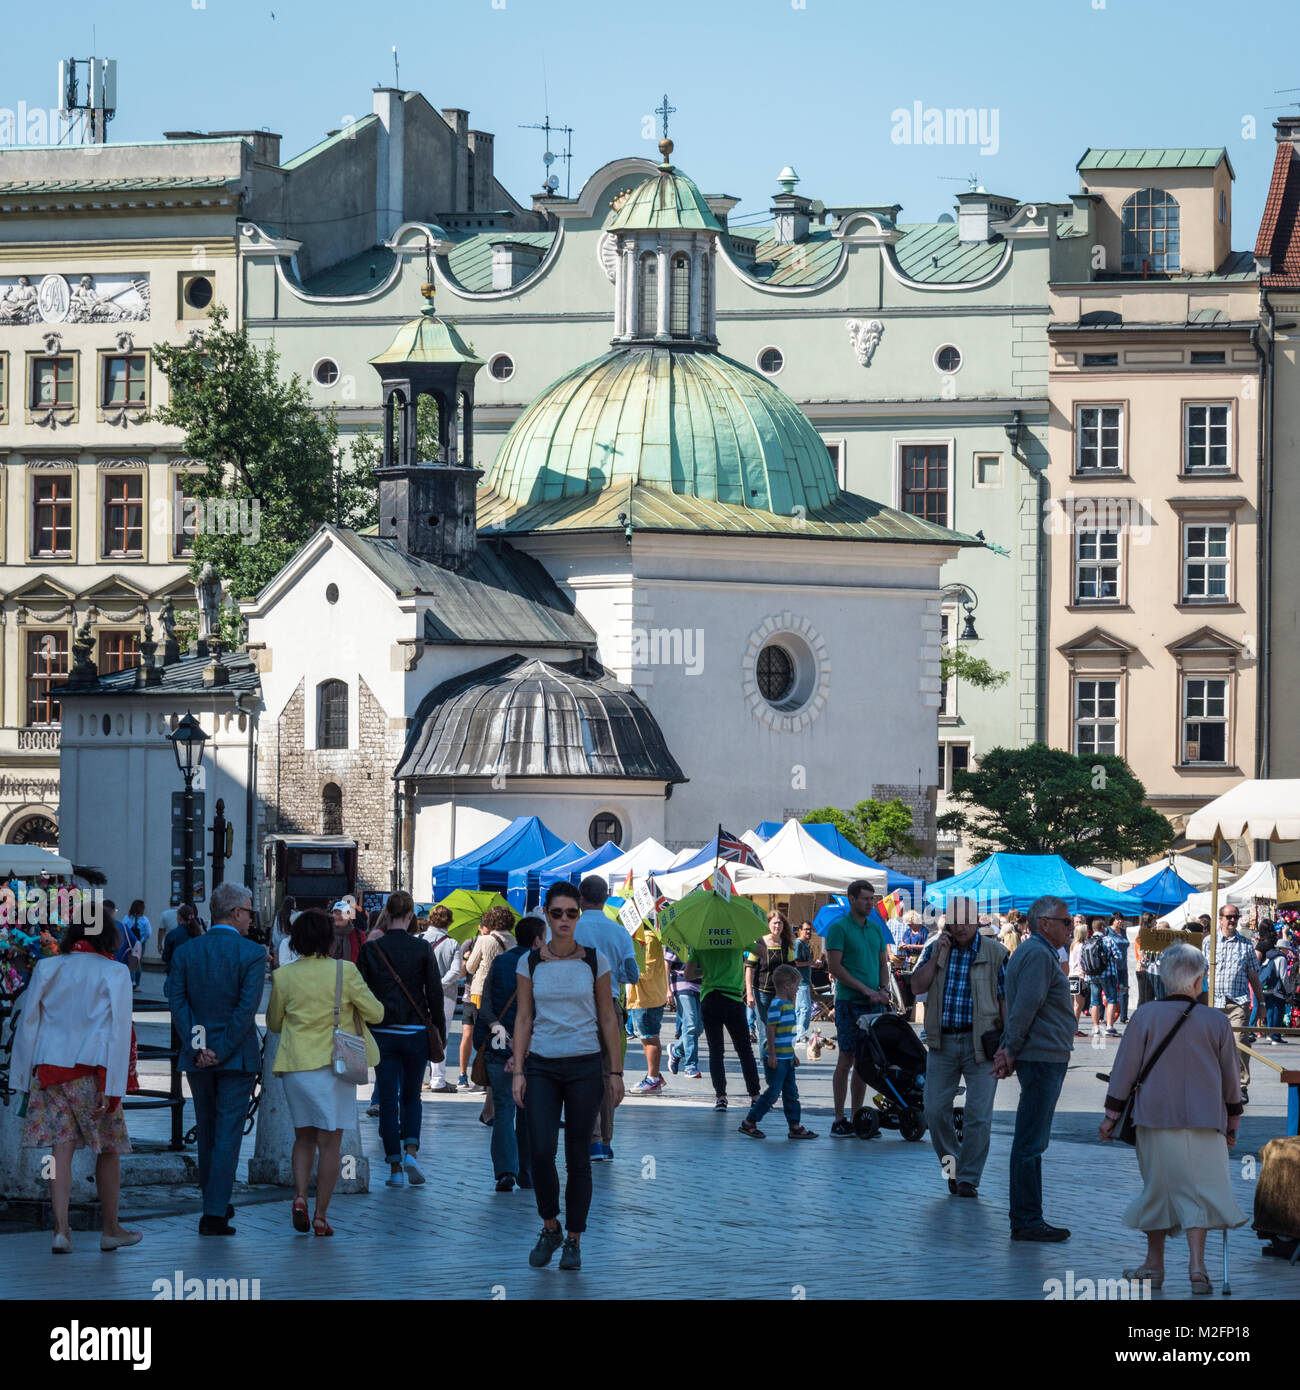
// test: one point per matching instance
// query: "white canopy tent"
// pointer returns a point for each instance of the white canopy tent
(755, 883)
(1089, 872)
(793, 853)
(677, 883)
(1259, 881)
(640, 860)
(26, 861)
(1191, 871)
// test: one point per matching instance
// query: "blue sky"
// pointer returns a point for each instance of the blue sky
(757, 84)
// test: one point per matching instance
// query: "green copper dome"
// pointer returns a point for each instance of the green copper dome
(666, 201)
(693, 423)
(428, 338)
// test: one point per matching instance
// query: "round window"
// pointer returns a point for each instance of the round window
(331, 593)
(605, 829)
(947, 359)
(198, 292)
(770, 361)
(502, 367)
(325, 372)
(775, 673)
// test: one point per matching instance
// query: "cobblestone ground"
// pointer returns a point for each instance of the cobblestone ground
(688, 1208)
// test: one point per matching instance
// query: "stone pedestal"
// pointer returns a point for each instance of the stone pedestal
(24, 1173)
(273, 1138)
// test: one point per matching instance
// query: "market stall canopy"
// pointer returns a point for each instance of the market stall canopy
(793, 853)
(755, 883)
(523, 887)
(829, 835)
(649, 857)
(1097, 875)
(1192, 871)
(1166, 890)
(676, 883)
(524, 841)
(26, 861)
(1004, 881)
(1259, 881)
(576, 870)
(1267, 809)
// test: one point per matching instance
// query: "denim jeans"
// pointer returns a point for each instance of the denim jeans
(780, 1082)
(803, 1009)
(398, 1078)
(220, 1111)
(1276, 1012)
(509, 1132)
(1040, 1088)
(687, 1046)
(574, 1085)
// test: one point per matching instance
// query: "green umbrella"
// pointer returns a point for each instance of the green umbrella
(704, 921)
(467, 906)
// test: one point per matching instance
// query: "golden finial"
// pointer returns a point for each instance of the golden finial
(427, 290)
(665, 149)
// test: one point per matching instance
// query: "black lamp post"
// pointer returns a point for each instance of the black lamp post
(187, 740)
(969, 601)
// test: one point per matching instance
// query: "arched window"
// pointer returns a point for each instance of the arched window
(332, 714)
(679, 310)
(705, 271)
(331, 809)
(648, 306)
(1150, 231)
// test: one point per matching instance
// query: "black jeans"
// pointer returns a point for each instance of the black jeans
(722, 1011)
(574, 1085)
(398, 1078)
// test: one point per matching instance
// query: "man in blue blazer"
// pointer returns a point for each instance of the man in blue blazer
(214, 989)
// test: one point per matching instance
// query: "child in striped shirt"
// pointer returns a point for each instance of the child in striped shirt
(780, 1061)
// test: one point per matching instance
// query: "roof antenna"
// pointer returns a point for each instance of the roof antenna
(396, 82)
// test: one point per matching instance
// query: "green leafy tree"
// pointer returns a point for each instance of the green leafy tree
(878, 828)
(1040, 800)
(974, 670)
(265, 447)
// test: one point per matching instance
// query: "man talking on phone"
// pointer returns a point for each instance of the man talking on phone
(963, 976)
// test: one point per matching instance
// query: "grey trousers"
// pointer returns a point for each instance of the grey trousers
(960, 1059)
(1239, 1016)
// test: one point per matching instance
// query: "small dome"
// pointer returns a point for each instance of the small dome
(693, 423)
(666, 201)
(427, 338)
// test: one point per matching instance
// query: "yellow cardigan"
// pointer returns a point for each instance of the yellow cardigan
(302, 1012)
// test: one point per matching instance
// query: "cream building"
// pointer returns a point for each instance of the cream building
(1155, 388)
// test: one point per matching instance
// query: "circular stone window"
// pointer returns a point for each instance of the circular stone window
(785, 673)
(502, 366)
(770, 361)
(198, 292)
(605, 829)
(325, 372)
(331, 593)
(947, 359)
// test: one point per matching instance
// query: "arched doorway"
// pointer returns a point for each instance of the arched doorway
(37, 828)
(331, 809)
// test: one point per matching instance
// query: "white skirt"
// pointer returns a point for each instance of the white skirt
(1186, 1182)
(320, 1099)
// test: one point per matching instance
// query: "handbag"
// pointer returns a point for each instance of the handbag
(348, 1054)
(437, 1051)
(1125, 1129)
(478, 1072)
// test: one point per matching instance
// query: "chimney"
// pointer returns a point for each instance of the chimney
(977, 210)
(483, 176)
(1288, 130)
(390, 162)
(790, 212)
(512, 261)
(458, 119)
(429, 510)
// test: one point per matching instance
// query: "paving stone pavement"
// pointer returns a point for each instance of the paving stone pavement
(688, 1208)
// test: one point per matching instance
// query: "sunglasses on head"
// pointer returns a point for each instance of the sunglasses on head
(570, 912)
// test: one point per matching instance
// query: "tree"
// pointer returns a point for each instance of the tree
(272, 459)
(974, 670)
(368, 449)
(1040, 800)
(878, 828)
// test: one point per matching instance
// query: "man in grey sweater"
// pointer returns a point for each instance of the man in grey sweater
(1037, 1043)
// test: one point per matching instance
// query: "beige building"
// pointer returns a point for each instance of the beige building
(1155, 387)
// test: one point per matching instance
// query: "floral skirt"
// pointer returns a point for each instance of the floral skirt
(62, 1115)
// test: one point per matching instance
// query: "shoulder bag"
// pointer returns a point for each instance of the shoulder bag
(437, 1052)
(478, 1072)
(348, 1055)
(1125, 1129)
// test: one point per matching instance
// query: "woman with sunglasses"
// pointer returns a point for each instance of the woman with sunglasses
(563, 1010)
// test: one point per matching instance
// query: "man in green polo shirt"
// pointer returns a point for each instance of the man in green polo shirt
(855, 954)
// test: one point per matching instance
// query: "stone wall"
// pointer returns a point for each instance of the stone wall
(921, 802)
(293, 777)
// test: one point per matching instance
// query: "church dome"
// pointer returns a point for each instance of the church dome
(693, 423)
(666, 201)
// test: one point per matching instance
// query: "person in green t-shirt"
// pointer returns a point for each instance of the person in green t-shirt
(855, 953)
(721, 974)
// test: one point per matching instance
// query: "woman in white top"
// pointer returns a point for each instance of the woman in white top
(1078, 980)
(564, 1013)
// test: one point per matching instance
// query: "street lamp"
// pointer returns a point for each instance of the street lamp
(187, 740)
(969, 601)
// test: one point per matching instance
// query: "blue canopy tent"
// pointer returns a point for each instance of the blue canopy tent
(576, 869)
(829, 836)
(1164, 892)
(523, 887)
(1004, 881)
(524, 841)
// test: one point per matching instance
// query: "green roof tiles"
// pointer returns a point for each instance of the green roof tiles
(428, 339)
(667, 201)
(695, 424)
(805, 262)
(930, 253)
(353, 275)
(470, 260)
(1153, 159)
(114, 185)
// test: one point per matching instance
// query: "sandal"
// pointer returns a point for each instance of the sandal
(1200, 1281)
(321, 1227)
(801, 1132)
(752, 1131)
(300, 1222)
(1156, 1277)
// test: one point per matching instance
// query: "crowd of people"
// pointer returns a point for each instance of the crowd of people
(552, 1003)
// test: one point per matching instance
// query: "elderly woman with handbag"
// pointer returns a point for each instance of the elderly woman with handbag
(320, 1008)
(1175, 1092)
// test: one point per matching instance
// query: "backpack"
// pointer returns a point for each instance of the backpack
(1281, 974)
(588, 952)
(1095, 956)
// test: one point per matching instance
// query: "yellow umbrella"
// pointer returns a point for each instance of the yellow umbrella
(467, 906)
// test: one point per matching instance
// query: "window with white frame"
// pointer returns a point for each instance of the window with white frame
(1205, 719)
(836, 450)
(947, 639)
(1207, 437)
(1096, 717)
(1205, 562)
(1097, 566)
(953, 758)
(1098, 438)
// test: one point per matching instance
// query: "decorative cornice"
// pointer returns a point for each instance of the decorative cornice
(59, 463)
(133, 461)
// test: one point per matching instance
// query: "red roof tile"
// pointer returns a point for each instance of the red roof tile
(1279, 229)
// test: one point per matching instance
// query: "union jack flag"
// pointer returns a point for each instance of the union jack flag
(734, 851)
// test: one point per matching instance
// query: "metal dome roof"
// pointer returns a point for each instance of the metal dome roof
(666, 201)
(693, 423)
(521, 717)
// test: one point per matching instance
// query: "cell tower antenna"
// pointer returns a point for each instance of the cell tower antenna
(85, 117)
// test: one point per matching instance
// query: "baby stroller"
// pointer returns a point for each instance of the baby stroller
(891, 1061)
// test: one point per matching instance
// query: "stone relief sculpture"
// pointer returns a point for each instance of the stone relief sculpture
(864, 335)
(116, 299)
